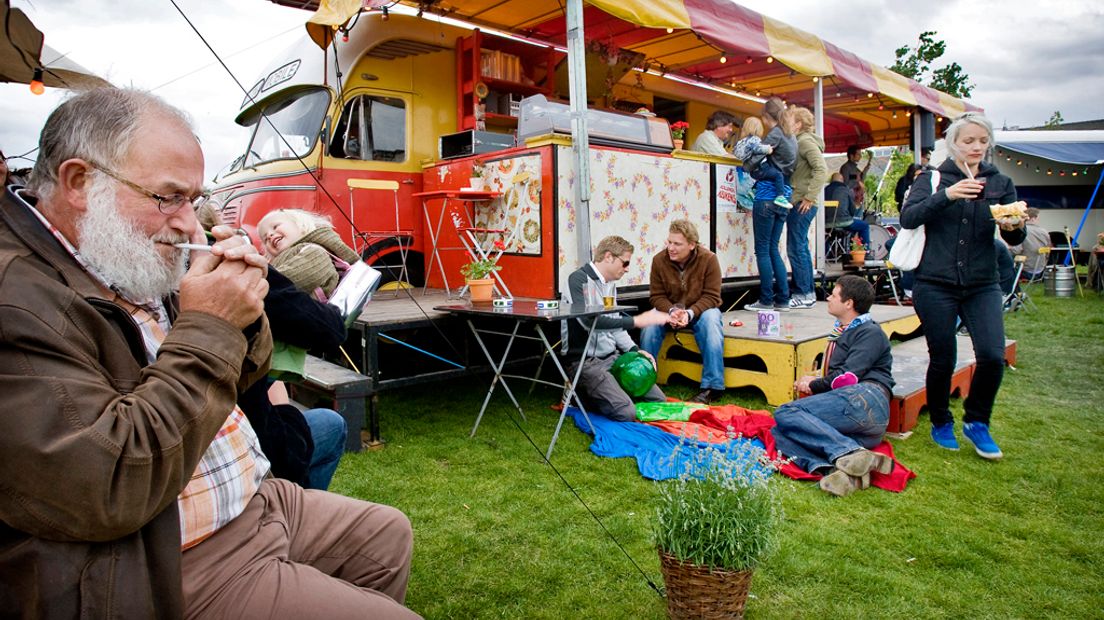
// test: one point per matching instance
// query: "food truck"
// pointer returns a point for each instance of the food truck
(381, 128)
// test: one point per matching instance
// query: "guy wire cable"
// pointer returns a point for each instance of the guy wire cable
(544, 458)
(308, 170)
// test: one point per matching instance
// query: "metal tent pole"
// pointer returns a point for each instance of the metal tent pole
(818, 226)
(576, 71)
(1085, 215)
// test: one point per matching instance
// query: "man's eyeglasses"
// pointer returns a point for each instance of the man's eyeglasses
(165, 204)
(625, 263)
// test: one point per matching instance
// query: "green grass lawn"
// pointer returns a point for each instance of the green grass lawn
(499, 535)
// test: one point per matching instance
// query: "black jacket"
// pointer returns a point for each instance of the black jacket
(845, 212)
(863, 351)
(959, 249)
(299, 320)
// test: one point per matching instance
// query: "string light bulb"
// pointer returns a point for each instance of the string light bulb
(37, 87)
(815, 79)
(770, 59)
(670, 30)
(724, 59)
(386, 15)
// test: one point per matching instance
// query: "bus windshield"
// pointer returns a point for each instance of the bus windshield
(296, 124)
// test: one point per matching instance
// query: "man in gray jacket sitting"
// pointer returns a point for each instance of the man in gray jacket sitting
(598, 390)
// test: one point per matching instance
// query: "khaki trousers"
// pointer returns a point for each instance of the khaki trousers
(296, 553)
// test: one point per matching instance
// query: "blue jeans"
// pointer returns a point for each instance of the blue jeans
(939, 307)
(767, 219)
(817, 430)
(709, 335)
(858, 225)
(328, 431)
(797, 248)
(767, 171)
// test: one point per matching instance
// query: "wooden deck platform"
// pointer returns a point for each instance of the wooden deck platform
(910, 368)
(772, 363)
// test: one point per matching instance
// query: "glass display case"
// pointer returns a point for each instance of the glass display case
(540, 116)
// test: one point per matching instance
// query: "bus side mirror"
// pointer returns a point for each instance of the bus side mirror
(325, 136)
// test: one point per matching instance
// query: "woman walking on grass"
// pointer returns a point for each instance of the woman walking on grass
(809, 177)
(957, 277)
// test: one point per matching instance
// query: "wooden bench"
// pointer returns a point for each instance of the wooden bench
(772, 364)
(910, 368)
(338, 388)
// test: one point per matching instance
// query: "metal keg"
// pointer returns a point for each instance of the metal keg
(1058, 281)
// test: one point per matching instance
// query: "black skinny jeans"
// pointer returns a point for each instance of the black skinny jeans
(980, 309)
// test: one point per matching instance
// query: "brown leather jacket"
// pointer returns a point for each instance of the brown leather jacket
(96, 444)
(697, 286)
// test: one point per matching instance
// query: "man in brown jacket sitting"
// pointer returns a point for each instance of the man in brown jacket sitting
(133, 487)
(686, 282)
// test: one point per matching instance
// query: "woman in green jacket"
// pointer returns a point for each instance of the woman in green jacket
(809, 177)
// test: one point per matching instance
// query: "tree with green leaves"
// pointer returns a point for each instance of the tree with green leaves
(915, 62)
(1055, 119)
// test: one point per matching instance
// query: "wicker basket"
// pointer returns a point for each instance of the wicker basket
(700, 592)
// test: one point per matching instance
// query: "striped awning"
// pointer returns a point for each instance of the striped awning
(729, 46)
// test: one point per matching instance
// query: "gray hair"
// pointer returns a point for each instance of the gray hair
(975, 118)
(98, 125)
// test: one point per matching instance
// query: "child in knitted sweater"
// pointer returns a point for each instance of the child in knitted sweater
(302, 246)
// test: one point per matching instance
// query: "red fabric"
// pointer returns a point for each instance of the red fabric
(713, 423)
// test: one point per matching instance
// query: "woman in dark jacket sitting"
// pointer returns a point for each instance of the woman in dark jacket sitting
(957, 276)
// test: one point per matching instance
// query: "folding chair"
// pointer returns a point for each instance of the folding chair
(369, 238)
(1038, 277)
(1018, 298)
(837, 244)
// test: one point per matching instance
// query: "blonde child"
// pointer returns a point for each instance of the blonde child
(755, 154)
(302, 245)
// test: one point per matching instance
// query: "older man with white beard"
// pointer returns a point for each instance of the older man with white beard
(132, 484)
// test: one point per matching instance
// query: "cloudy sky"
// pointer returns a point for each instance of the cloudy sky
(1026, 58)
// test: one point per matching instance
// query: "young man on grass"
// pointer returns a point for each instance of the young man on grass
(832, 430)
(598, 389)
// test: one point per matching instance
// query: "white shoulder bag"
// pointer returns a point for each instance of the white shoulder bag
(908, 249)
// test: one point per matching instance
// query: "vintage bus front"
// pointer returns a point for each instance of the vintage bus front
(345, 135)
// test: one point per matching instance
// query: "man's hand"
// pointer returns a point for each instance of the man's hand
(650, 358)
(229, 282)
(801, 386)
(651, 317)
(679, 318)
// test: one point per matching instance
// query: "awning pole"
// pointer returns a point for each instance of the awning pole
(1085, 215)
(580, 144)
(818, 120)
(916, 137)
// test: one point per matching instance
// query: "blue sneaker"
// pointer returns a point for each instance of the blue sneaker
(978, 434)
(943, 435)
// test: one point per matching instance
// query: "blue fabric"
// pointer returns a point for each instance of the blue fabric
(797, 248)
(655, 450)
(767, 191)
(767, 219)
(1063, 152)
(328, 430)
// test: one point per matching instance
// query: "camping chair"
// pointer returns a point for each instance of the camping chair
(370, 238)
(1017, 298)
(1038, 277)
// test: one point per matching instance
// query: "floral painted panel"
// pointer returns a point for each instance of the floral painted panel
(517, 211)
(635, 196)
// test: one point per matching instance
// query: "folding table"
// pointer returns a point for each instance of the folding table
(526, 311)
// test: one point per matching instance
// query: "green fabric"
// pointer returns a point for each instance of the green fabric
(288, 362)
(661, 412)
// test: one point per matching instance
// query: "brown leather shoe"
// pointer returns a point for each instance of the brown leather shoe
(840, 484)
(864, 461)
(707, 396)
